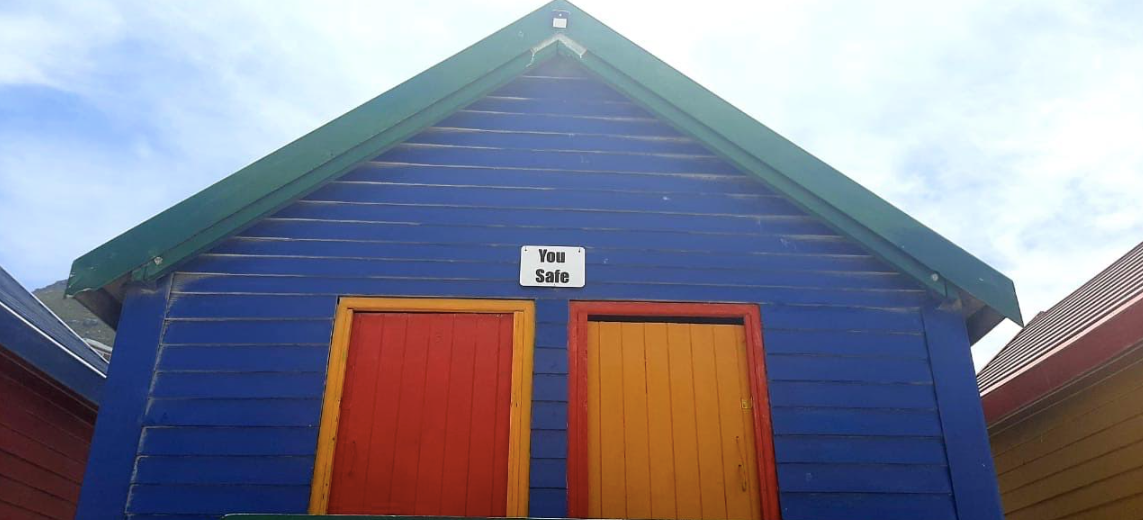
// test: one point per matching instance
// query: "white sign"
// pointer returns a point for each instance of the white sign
(552, 266)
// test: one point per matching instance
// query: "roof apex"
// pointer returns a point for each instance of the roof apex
(159, 244)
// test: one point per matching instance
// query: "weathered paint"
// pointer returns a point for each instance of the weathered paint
(1079, 455)
(45, 431)
(670, 432)
(116, 442)
(159, 245)
(856, 426)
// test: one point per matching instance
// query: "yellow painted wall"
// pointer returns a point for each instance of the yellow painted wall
(1078, 458)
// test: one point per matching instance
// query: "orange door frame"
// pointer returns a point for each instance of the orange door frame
(577, 380)
(520, 416)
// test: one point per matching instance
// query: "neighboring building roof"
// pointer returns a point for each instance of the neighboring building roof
(159, 245)
(32, 332)
(1088, 328)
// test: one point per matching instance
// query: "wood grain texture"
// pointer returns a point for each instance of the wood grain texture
(45, 432)
(262, 303)
(392, 434)
(671, 433)
(1082, 456)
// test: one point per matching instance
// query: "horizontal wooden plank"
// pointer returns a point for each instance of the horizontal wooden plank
(840, 450)
(566, 160)
(29, 424)
(246, 358)
(548, 473)
(38, 476)
(233, 412)
(547, 503)
(504, 271)
(551, 360)
(864, 478)
(557, 123)
(451, 215)
(252, 306)
(1118, 487)
(843, 343)
(210, 283)
(793, 367)
(13, 512)
(560, 141)
(218, 500)
(530, 198)
(239, 384)
(493, 177)
(1040, 464)
(570, 107)
(852, 421)
(46, 404)
(322, 248)
(543, 87)
(228, 441)
(550, 387)
(248, 470)
(550, 335)
(1090, 472)
(29, 498)
(882, 506)
(552, 311)
(548, 415)
(1092, 409)
(834, 318)
(549, 444)
(33, 449)
(264, 332)
(852, 395)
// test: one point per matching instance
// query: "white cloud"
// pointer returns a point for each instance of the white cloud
(1011, 128)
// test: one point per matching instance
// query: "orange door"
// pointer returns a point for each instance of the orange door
(670, 428)
(424, 419)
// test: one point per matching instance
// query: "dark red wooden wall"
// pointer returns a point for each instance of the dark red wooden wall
(44, 436)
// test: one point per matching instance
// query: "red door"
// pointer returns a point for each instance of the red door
(424, 416)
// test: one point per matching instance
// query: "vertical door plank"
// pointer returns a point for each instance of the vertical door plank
(356, 419)
(410, 412)
(748, 421)
(454, 481)
(613, 463)
(711, 472)
(736, 437)
(430, 463)
(635, 428)
(661, 437)
(479, 500)
(379, 477)
(688, 501)
(594, 427)
(502, 417)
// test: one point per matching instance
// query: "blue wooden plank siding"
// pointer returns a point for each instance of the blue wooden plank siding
(554, 157)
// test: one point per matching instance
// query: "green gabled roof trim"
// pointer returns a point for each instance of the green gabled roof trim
(158, 245)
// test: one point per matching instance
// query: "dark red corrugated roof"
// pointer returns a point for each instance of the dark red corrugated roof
(1099, 297)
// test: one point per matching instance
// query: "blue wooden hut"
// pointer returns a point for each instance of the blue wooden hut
(550, 276)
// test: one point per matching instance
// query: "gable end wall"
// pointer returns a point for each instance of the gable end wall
(555, 157)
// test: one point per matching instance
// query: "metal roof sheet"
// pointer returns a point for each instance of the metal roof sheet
(35, 334)
(1101, 296)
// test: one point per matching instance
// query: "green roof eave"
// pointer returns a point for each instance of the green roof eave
(161, 243)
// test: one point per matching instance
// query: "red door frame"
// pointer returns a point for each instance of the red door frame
(577, 376)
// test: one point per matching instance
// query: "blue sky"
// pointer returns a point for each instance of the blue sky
(1013, 128)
